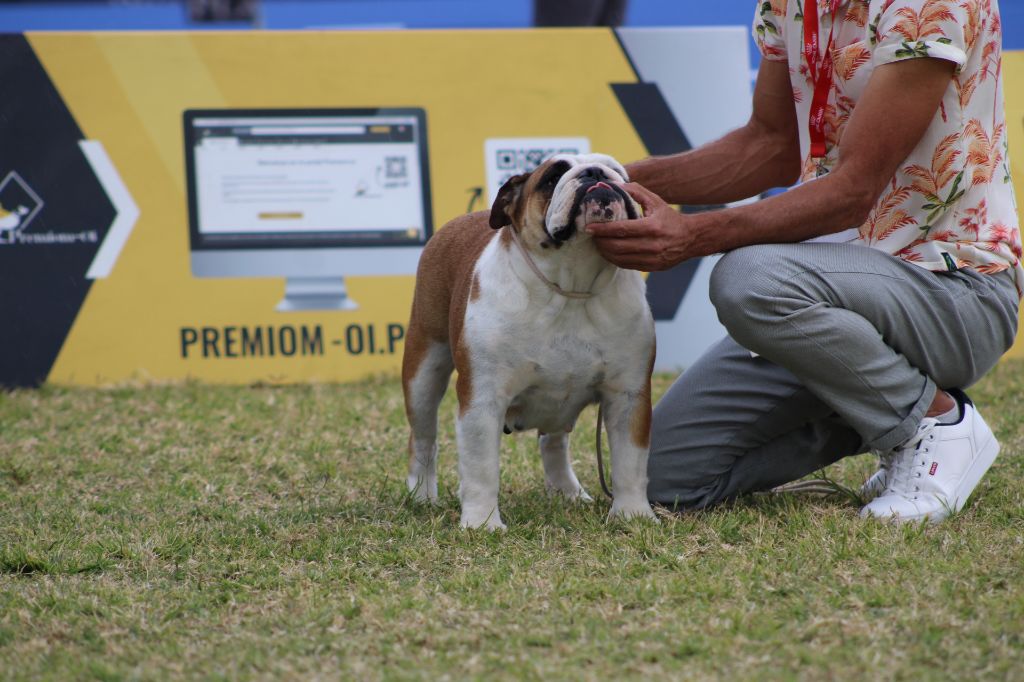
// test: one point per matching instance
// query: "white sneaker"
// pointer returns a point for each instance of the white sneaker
(932, 475)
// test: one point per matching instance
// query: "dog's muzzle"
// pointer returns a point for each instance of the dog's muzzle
(600, 200)
(596, 199)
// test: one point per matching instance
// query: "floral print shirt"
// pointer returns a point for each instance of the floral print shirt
(951, 204)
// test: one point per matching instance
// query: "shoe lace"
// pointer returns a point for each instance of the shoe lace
(906, 461)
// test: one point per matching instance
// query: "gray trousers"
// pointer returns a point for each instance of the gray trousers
(852, 344)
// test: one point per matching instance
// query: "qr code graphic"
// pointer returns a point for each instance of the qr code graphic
(534, 157)
(395, 168)
(525, 160)
(506, 157)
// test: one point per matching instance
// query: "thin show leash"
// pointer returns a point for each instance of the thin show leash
(578, 295)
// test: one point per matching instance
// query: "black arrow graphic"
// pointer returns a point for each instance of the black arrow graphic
(662, 134)
(477, 193)
(45, 284)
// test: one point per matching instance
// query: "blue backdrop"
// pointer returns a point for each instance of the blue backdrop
(125, 15)
(38, 15)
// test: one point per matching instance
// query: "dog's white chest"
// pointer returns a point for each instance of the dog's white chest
(562, 374)
(548, 362)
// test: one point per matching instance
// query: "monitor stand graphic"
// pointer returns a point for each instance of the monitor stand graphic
(315, 293)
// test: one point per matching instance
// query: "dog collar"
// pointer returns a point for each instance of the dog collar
(540, 275)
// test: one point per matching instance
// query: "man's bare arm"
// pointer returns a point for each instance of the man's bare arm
(764, 153)
(898, 105)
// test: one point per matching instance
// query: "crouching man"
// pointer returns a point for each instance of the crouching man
(860, 303)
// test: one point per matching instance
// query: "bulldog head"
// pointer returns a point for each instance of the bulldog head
(562, 195)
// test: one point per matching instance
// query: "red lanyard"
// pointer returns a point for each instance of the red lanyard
(820, 72)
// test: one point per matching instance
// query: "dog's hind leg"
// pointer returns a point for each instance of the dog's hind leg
(558, 474)
(426, 369)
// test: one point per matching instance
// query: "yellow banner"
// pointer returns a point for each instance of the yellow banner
(138, 301)
(152, 319)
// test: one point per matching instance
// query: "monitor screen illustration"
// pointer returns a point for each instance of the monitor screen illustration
(309, 195)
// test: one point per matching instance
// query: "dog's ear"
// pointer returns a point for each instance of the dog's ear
(505, 205)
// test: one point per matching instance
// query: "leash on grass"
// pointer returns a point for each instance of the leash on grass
(823, 485)
(814, 486)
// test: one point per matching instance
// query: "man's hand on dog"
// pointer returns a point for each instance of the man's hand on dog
(658, 241)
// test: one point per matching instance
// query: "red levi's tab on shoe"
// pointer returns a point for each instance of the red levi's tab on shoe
(935, 466)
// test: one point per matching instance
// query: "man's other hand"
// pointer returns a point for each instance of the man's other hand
(658, 241)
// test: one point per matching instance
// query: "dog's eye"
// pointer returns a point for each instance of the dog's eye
(554, 174)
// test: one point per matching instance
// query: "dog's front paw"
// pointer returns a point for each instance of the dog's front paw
(631, 510)
(490, 520)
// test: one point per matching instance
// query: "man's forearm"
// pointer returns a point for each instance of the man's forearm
(832, 204)
(664, 237)
(741, 164)
(872, 148)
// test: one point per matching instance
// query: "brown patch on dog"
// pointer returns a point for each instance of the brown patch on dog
(505, 209)
(640, 424)
(464, 381)
(506, 237)
(522, 205)
(444, 280)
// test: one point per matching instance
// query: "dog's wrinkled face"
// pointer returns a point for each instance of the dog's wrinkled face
(562, 195)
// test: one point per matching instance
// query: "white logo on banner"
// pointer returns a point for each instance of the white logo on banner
(19, 205)
(508, 156)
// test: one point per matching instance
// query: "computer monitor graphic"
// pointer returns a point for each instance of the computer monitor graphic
(311, 195)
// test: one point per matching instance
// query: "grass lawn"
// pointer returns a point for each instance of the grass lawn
(222, 532)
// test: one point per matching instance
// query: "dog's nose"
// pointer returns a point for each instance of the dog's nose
(592, 173)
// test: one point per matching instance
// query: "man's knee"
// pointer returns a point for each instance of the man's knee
(745, 286)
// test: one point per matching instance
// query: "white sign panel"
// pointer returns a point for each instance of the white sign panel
(704, 75)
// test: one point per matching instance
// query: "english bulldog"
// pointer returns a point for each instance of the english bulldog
(539, 326)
